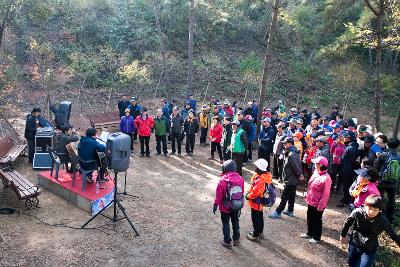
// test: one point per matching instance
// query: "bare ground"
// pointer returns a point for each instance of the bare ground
(175, 220)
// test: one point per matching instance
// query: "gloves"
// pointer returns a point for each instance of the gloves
(215, 208)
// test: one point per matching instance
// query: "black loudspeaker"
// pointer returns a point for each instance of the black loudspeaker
(42, 160)
(62, 113)
(118, 149)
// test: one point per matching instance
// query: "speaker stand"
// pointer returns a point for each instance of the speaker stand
(125, 193)
(116, 203)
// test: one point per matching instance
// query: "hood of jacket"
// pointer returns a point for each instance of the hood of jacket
(232, 177)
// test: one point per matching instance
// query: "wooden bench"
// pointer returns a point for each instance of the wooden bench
(9, 150)
(23, 188)
(107, 121)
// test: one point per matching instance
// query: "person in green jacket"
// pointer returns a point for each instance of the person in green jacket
(161, 128)
(238, 144)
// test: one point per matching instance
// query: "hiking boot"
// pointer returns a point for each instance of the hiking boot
(305, 236)
(260, 235)
(274, 215)
(158, 154)
(210, 158)
(236, 243)
(252, 237)
(288, 213)
(313, 241)
(221, 161)
(226, 245)
(179, 154)
(89, 179)
(148, 156)
(165, 155)
(172, 153)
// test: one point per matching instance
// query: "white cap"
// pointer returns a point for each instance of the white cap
(262, 164)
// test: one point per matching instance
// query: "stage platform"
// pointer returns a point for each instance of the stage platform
(87, 200)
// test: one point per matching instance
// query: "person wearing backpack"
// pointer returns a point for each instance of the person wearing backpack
(259, 183)
(388, 166)
(229, 199)
(368, 223)
(318, 193)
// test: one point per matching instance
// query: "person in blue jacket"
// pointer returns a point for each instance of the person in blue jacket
(192, 101)
(136, 110)
(87, 152)
(127, 126)
(267, 138)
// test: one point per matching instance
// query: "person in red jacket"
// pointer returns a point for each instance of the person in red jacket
(145, 124)
(229, 177)
(215, 138)
(258, 181)
(319, 190)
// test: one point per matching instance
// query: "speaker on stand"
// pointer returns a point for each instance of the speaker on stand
(118, 156)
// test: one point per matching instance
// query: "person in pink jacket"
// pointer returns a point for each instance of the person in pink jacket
(319, 189)
(229, 177)
(364, 186)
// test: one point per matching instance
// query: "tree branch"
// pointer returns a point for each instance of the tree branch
(368, 3)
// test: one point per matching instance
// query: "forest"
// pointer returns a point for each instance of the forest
(320, 52)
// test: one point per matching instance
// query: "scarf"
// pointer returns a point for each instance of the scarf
(357, 191)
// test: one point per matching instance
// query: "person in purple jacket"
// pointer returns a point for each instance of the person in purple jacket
(318, 193)
(127, 126)
(229, 176)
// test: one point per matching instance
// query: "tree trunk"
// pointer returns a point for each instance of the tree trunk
(164, 72)
(3, 25)
(397, 125)
(190, 48)
(378, 60)
(267, 61)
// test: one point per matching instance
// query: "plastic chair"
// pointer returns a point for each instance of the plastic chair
(86, 171)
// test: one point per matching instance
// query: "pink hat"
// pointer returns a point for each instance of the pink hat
(321, 160)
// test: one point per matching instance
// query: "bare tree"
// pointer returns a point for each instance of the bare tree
(164, 76)
(396, 125)
(190, 47)
(378, 13)
(267, 62)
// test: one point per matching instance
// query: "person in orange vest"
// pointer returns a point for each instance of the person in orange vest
(257, 189)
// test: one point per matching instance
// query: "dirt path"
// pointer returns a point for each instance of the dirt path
(174, 217)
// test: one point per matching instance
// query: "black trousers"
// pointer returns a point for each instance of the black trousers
(288, 196)
(347, 181)
(249, 151)
(238, 158)
(176, 139)
(226, 153)
(390, 201)
(216, 146)
(278, 167)
(226, 229)
(257, 217)
(336, 181)
(135, 135)
(190, 139)
(203, 135)
(144, 141)
(314, 222)
(161, 140)
(132, 140)
(264, 154)
(31, 149)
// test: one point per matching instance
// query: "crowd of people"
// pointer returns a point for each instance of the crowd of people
(327, 153)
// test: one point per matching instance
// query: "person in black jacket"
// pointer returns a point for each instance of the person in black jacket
(349, 164)
(123, 104)
(191, 127)
(226, 138)
(368, 223)
(267, 138)
(32, 123)
(176, 129)
(67, 136)
(246, 127)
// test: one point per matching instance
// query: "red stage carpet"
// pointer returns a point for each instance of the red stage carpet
(87, 200)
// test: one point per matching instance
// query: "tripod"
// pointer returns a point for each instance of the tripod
(116, 203)
(125, 193)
